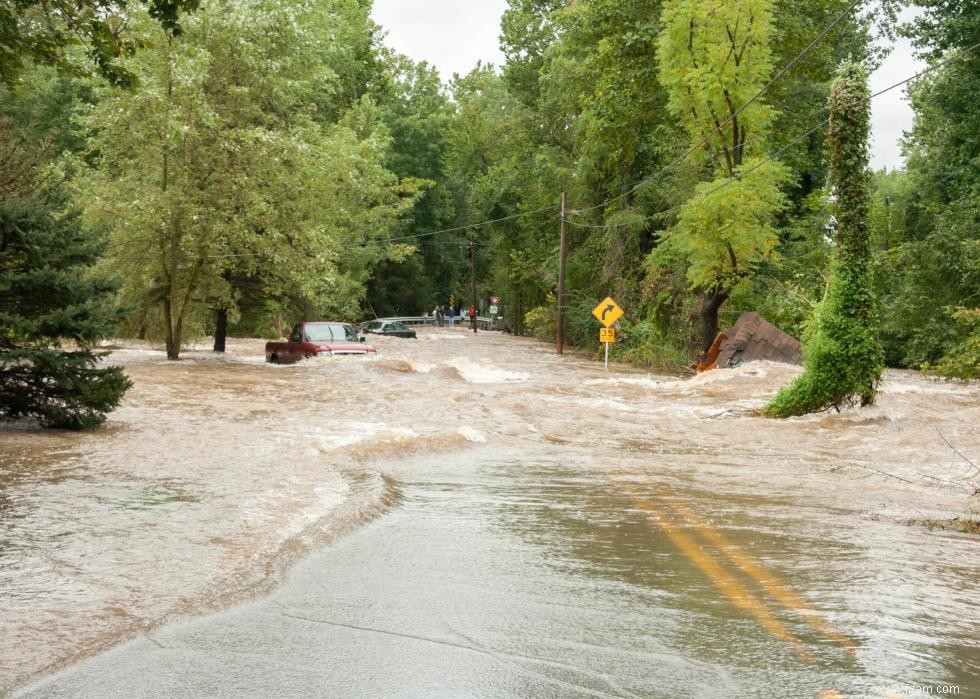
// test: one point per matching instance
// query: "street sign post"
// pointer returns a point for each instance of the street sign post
(607, 313)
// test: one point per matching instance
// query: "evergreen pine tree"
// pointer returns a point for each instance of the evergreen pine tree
(49, 295)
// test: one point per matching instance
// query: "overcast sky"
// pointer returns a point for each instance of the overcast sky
(453, 35)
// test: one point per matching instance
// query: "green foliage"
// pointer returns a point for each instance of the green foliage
(933, 262)
(726, 229)
(601, 71)
(49, 294)
(919, 280)
(527, 31)
(962, 358)
(646, 345)
(540, 321)
(417, 114)
(45, 32)
(60, 389)
(598, 94)
(714, 57)
(788, 286)
(842, 358)
(266, 152)
(222, 181)
(492, 176)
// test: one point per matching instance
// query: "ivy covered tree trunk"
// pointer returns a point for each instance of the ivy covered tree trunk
(47, 295)
(843, 359)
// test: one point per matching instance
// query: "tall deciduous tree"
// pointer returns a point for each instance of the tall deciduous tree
(843, 358)
(493, 176)
(714, 58)
(416, 111)
(223, 169)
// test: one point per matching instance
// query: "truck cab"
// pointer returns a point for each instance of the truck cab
(316, 339)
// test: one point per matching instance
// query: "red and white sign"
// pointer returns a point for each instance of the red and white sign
(494, 300)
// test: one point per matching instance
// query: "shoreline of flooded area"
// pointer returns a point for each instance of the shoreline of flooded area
(220, 473)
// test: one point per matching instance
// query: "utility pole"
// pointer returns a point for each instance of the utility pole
(473, 303)
(560, 335)
(888, 220)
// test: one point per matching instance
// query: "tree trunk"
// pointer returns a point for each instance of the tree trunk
(170, 308)
(172, 339)
(220, 329)
(170, 264)
(710, 305)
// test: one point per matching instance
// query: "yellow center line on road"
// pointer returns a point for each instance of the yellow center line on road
(721, 578)
(768, 580)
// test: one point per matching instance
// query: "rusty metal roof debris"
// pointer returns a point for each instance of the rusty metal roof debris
(753, 338)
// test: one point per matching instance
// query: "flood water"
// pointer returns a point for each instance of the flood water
(595, 533)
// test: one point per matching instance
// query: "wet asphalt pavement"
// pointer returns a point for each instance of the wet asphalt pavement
(493, 576)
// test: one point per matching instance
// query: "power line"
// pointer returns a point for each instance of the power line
(478, 224)
(470, 225)
(786, 147)
(782, 71)
(636, 186)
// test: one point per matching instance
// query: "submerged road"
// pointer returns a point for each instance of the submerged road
(611, 536)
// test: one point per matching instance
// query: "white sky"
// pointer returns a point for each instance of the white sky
(453, 35)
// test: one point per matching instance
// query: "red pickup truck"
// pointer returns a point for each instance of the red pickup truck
(316, 340)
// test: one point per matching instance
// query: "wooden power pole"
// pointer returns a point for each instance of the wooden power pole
(473, 304)
(562, 250)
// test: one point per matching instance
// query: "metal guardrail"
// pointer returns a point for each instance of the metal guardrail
(482, 322)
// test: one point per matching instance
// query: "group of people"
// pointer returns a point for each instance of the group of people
(442, 314)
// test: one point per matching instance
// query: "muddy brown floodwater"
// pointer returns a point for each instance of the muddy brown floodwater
(705, 551)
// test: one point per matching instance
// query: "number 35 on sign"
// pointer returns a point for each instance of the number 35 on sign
(607, 335)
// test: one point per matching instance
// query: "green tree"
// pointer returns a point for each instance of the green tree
(416, 112)
(931, 278)
(713, 60)
(597, 125)
(49, 295)
(496, 171)
(843, 358)
(40, 32)
(221, 176)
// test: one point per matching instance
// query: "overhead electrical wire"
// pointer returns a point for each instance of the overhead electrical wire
(636, 186)
(643, 181)
(470, 225)
(782, 150)
(782, 71)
